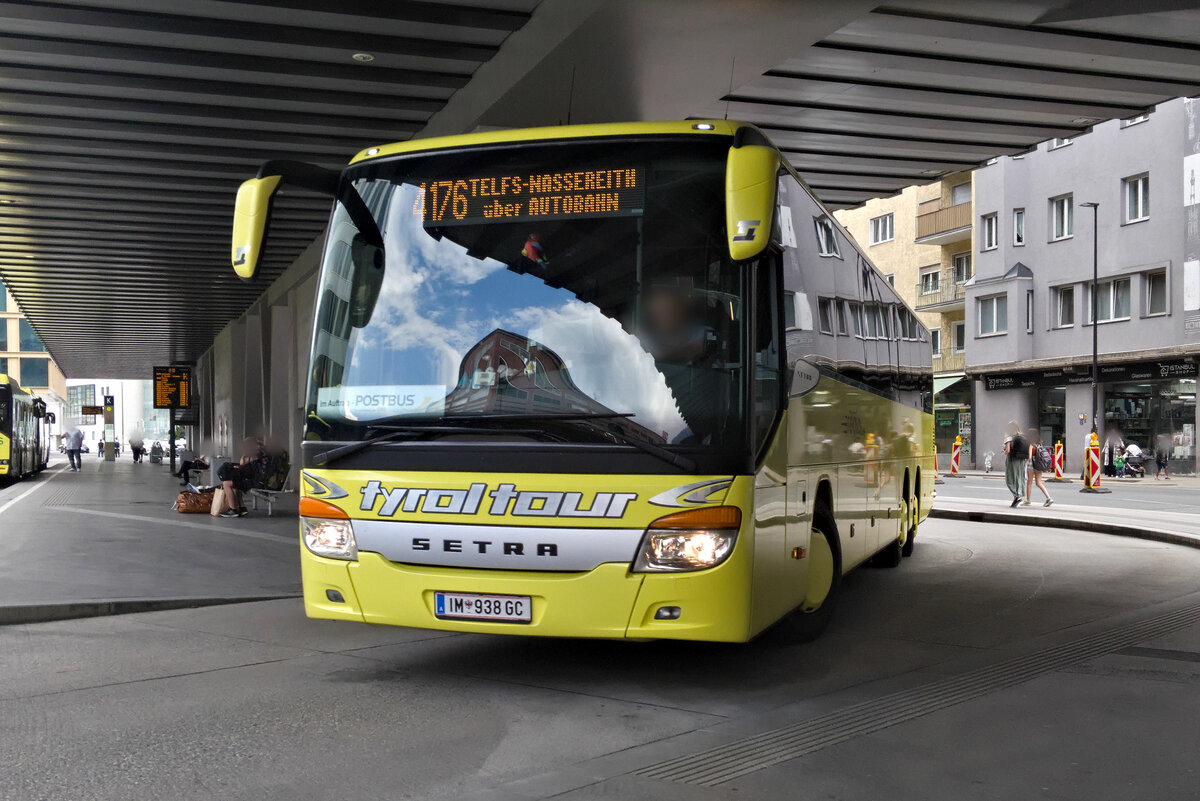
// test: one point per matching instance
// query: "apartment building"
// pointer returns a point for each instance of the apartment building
(24, 358)
(921, 240)
(1029, 318)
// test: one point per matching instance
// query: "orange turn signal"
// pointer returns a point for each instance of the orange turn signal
(709, 517)
(312, 507)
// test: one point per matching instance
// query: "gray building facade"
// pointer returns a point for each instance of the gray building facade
(1028, 307)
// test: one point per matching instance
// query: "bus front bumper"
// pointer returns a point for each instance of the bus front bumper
(606, 602)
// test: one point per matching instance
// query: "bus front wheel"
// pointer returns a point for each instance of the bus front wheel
(807, 621)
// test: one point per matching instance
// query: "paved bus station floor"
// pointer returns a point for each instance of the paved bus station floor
(1000, 661)
(108, 533)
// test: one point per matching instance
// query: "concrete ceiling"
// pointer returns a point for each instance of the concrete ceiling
(126, 125)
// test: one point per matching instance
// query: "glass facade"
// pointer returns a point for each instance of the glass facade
(1052, 416)
(35, 372)
(1156, 415)
(30, 341)
(952, 418)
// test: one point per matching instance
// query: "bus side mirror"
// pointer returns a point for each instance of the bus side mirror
(368, 261)
(250, 217)
(751, 176)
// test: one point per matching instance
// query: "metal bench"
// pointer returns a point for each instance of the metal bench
(270, 495)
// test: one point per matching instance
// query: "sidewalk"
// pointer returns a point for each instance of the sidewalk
(1188, 482)
(1173, 527)
(105, 539)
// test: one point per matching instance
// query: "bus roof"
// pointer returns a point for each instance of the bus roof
(696, 127)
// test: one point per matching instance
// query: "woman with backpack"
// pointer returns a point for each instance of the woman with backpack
(1040, 461)
(1016, 450)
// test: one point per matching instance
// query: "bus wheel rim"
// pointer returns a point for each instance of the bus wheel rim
(820, 571)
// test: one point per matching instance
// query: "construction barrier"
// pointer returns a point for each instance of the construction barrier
(955, 455)
(1091, 478)
(1059, 459)
(872, 453)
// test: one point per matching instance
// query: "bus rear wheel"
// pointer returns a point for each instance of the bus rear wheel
(809, 620)
(914, 515)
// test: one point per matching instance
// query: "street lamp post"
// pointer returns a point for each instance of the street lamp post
(1095, 207)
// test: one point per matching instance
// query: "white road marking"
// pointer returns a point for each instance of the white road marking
(37, 486)
(218, 529)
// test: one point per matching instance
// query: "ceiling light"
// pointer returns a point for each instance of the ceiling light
(704, 126)
(1085, 120)
(363, 57)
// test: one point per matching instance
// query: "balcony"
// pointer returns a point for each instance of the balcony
(949, 361)
(945, 226)
(947, 296)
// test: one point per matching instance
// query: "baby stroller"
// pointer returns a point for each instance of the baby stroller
(1134, 468)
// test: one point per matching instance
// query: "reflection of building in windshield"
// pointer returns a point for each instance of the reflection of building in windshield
(506, 373)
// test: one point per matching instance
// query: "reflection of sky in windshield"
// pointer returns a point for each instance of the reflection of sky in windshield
(437, 301)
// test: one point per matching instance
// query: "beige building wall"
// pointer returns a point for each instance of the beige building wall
(11, 356)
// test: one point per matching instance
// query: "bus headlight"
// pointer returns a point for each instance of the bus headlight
(326, 530)
(693, 540)
(331, 538)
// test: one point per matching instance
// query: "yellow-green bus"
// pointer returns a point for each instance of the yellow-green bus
(24, 431)
(621, 381)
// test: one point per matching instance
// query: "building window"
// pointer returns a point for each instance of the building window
(931, 281)
(30, 341)
(891, 279)
(1156, 293)
(1018, 227)
(856, 314)
(1112, 300)
(1137, 198)
(884, 313)
(1029, 312)
(827, 244)
(3, 298)
(1058, 142)
(789, 310)
(958, 337)
(35, 372)
(3, 334)
(1064, 307)
(960, 194)
(825, 315)
(1134, 120)
(993, 315)
(960, 267)
(841, 318)
(1062, 217)
(3, 365)
(935, 342)
(882, 229)
(990, 238)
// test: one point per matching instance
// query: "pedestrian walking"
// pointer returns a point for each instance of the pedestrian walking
(1016, 449)
(1040, 461)
(1162, 452)
(74, 446)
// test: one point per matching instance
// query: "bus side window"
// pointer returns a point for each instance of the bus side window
(768, 361)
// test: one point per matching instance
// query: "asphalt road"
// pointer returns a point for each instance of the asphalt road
(1129, 497)
(998, 662)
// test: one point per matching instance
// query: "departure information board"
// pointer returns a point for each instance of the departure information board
(88, 411)
(172, 387)
(611, 192)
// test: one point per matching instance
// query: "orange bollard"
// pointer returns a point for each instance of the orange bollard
(1091, 476)
(1059, 458)
(955, 455)
(871, 452)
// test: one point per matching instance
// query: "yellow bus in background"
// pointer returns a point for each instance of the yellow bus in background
(623, 381)
(24, 431)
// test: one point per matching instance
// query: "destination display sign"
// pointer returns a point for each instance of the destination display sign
(87, 411)
(172, 387)
(465, 200)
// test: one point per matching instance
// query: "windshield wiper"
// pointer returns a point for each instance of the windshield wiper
(392, 432)
(670, 457)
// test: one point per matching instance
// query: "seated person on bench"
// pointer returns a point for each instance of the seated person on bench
(249, 472)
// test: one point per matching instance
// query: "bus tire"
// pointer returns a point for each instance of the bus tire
(806, 622)
(889, 556)
(914, 517)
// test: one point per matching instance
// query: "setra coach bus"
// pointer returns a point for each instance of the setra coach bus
(621, 381)
(24, 431)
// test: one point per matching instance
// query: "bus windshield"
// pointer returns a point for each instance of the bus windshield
(577, 292)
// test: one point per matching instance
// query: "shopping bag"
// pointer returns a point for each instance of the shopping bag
(219, 502)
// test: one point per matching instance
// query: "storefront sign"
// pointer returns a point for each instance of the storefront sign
(1134, 371)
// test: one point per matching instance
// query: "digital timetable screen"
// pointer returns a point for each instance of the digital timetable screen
(172, 387)
(514, 197)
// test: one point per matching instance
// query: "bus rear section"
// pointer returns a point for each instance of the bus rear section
(551, 389)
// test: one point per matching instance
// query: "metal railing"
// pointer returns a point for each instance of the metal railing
(948, 291)
(946, 360)
(942, 220)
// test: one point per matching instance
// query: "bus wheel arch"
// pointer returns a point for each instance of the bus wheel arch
(806, 622)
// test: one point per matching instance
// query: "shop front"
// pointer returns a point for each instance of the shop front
(1152, 404)
(953, 418)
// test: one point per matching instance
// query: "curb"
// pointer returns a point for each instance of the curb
(1096, 527)
(45, 613)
